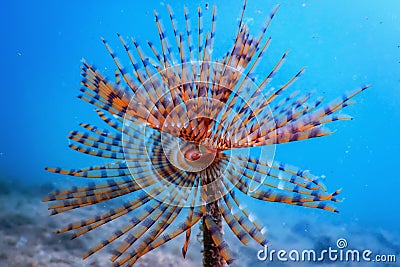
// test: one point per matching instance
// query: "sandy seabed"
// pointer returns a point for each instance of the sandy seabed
(27, 238)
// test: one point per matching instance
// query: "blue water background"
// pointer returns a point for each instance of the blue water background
(344, 45)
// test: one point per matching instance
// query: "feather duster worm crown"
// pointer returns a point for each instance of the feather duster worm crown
(180, 125)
